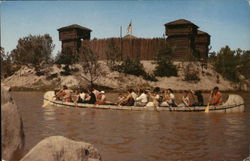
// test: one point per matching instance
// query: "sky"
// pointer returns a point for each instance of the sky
(227, 21)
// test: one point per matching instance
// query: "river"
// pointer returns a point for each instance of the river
(140, 135)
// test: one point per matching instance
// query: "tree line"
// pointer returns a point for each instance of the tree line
(231, 64)
(36, 51)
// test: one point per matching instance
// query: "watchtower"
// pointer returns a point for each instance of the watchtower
(72, 36)
(181, 34)
(202, 41)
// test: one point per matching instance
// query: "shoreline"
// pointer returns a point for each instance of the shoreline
(25, 89)
(26, 79)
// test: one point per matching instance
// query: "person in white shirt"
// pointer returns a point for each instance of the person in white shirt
(155, 98)
(185, 100)
(142, 100)
(96, 92)
(169, 98)
(82, 96)
(134, 95)
(102, 98)
(166, 99)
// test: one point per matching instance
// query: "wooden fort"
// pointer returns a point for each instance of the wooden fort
(202, 41)
(72, 37)
(187, 42)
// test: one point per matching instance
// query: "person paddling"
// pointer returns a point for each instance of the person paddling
(91, 99)
(142, 100)
(128, 100)
(101, 100)
(199, 99)
(185, 100)
(64, 94)
(155, 97)
(216, 97)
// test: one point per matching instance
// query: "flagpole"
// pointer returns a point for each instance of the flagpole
(121, 40)
(131, 26)
(131, 43)
(120, 31)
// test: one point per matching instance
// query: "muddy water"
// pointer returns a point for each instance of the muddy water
(137, 135)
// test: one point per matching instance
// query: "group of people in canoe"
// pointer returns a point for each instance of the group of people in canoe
(165, 98)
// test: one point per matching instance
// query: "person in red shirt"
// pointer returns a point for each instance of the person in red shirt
(61, 93)
(216, 97)
(64, 94)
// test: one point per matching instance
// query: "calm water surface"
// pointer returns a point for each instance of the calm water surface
(138, 135)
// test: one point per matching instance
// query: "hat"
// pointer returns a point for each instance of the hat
(102, 92)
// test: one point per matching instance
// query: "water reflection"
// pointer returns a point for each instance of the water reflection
(139, 135)
(49, 113)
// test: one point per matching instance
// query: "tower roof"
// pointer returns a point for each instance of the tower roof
(129, 37)
(74, 26)
(199, 32)
(180, 22)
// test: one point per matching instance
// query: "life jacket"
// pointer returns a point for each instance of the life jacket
(217, 100)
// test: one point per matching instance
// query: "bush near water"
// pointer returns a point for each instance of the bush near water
(231, 64)
(164, 63)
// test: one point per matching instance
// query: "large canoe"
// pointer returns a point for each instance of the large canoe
(234, 103)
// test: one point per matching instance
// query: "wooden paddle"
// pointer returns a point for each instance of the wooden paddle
(49, 96)
(46, 103)
(208, 103)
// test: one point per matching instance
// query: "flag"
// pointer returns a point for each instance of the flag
(129, 29)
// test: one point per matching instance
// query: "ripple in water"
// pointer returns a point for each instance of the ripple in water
(138, 135)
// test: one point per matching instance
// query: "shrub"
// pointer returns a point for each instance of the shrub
(244, 64)
(52, 76)
(231, 63)
(226, 63)
(40, 73)
(150, 77)
(7, 67)
(192, 77)
(134, 67)
(74, 70)
(66, 71)
(191, 74)
(131, 66)
(90, 65)
(66, 57)
(34, 50)
(113, 54)
(164, 65)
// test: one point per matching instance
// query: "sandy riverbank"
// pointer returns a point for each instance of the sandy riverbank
(26, 79)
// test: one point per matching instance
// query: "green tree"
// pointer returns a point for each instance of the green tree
(7, 67)
(164, 65)
(226, 63)
(113, 54)
(244, 64)
(131, 66)
(2, 55)
(66, 57)
(34, 50)
(134, 67)
(91, 67)
(191, 73)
